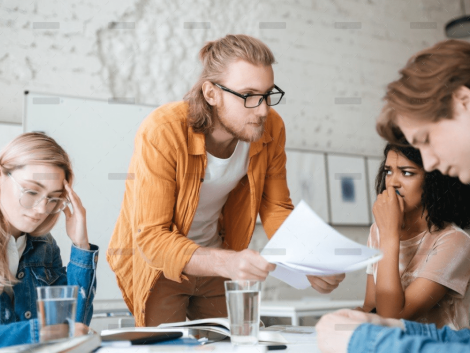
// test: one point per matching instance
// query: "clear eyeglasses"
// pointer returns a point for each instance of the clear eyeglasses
(30, 199)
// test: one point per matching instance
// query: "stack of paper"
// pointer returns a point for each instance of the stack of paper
(306, 245)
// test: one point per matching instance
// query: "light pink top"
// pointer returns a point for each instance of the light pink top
(443, 257)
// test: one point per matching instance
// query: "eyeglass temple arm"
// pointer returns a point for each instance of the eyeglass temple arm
(280, 90)
(233, 92)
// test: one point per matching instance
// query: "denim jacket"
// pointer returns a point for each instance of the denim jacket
(416, 338)
(41, 265)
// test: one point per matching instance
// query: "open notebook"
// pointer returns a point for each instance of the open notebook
(217, 328)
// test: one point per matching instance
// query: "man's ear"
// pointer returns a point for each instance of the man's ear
(461, 96)
(209, 92)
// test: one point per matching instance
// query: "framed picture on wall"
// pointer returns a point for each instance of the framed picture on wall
(306, 179)
(373, 165)
(349, 199)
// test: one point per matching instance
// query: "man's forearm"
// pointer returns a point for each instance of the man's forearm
(208, 262)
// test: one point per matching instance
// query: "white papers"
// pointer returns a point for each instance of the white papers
(305, 245)
(291, 334)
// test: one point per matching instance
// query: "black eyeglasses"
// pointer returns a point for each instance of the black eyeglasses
(254, 100)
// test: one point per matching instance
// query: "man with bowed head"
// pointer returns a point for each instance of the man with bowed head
(204, 168)
(429, 105)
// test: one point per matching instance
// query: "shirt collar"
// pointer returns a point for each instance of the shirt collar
(197, 142)
(34, 239)
(21, 241)
(257, 146)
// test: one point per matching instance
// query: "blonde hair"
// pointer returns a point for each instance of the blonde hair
(26, 149)
(215, 57)
(425, 87)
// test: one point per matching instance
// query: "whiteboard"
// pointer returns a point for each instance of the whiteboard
(99, 136)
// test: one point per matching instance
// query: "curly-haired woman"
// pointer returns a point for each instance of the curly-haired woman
(418, 221)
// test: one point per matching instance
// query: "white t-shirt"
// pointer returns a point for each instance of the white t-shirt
(15, 248)
(221, 177)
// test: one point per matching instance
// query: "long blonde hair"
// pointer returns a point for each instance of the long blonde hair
(215, 57)
(26, 149)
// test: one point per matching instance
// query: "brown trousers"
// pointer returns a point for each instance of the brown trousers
(198, 298)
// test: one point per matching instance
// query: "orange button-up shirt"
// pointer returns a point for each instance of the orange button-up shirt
(162, 195)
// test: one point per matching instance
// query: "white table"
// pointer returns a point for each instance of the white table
(213, 347)
(296, 309)
(113, 313)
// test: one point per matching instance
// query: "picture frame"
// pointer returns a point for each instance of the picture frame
(306, 179)
(348, 190)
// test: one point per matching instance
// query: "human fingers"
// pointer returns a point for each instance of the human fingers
(392, 195)
(75, 200)
(53, 332)
(334, 279)
(334, 333)
(320, 285)
(81, 329)
(260, 262)
(246, 267)
(73, 197)
(67, 212)
(401, 203)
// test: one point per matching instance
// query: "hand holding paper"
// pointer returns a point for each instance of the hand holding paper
(325, 284)
(306, 245)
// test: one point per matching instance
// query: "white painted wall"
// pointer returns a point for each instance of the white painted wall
(147, 51)
(8, 131)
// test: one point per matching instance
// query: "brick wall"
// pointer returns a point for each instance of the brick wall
(334, 61)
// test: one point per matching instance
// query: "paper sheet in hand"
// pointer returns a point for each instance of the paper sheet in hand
(305, 245)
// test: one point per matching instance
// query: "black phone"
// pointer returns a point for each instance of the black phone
(136, 337)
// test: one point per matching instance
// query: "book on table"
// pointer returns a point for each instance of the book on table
(219, 328)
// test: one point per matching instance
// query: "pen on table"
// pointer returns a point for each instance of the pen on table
(277, 347)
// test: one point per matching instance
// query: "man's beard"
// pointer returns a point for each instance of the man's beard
(239, 134)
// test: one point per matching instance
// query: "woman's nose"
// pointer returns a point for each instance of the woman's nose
(395, 180)
(41, 206)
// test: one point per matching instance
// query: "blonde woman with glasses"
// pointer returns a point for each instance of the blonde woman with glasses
(35, 187)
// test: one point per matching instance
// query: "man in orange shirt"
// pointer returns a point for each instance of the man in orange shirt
(203, 169)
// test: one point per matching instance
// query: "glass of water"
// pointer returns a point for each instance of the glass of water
(243, 301)
(57, 307)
